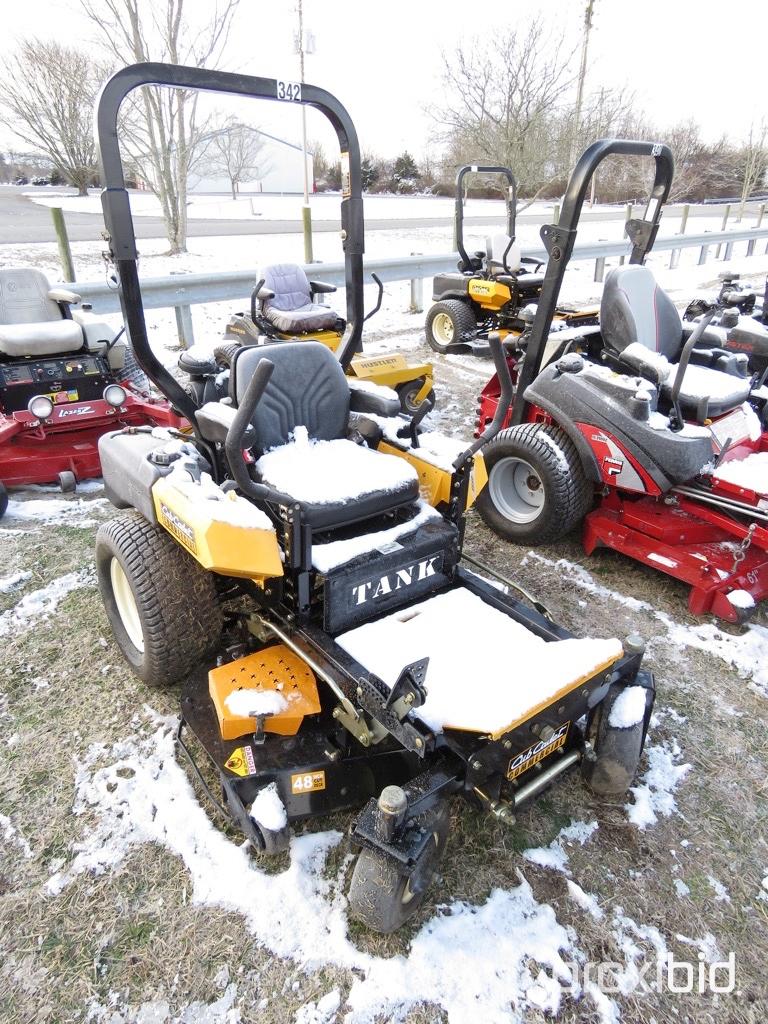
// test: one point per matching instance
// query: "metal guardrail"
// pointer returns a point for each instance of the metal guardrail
(181, 291)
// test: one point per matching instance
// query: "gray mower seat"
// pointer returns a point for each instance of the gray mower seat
(31, 320)
(635, 312)
(334, 484)
(292, 310)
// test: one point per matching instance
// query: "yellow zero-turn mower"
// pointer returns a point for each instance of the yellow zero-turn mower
(283, 308)
(296, 564)
(494, 290)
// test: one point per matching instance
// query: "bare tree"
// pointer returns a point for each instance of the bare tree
(236, 151)
(48, 90)
(754, 155)
(501, 99)
(163, 134)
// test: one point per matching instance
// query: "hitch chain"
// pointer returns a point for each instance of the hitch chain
(741, 553)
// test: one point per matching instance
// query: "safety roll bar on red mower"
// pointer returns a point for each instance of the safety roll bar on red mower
(117, 213)
(559, 240)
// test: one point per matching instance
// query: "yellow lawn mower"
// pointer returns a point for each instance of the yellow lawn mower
(296, 564)
(283, 308)
(495, 290)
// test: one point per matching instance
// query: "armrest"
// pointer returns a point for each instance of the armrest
(645, 362)
(321, 288)
(215, 420)
(264, 293)
(714, 336)
(63, 295)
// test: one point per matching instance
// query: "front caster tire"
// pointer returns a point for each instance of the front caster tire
(3, 500)
(160, 602)
(67, 482)
(384, 894)
(450, 323)
(407, 394)
(617, 749)
(537, 489)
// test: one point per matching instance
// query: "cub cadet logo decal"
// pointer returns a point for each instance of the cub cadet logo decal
(181, 531)
(307, 782)
(81, 410)
(528, 758)
(395, 580)
(481, 289)
(241, 762)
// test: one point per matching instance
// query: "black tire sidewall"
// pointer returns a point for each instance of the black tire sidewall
(3, 500)
(456, 310)
(105, 552)
(617, 750)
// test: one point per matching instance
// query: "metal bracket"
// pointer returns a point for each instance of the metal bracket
(409, 691)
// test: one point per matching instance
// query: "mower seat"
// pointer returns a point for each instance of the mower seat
(642, 328)
(32, 317)
(300, 427)
(291, 308)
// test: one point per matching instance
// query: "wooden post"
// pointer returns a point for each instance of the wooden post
(65, 253)
(674, 258)
(722, 228)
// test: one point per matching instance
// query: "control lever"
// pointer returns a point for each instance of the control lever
(377, 307)
(411, 428)
(505, 400)
(676, 420)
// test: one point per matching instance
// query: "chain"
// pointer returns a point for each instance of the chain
(741, 553)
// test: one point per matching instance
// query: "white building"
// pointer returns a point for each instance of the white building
(282, 164)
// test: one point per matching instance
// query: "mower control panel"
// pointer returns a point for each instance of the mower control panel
(64, 379)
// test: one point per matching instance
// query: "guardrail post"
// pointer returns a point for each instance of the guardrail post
(556, 213)
(751, 242)
(417, 292)
(703, 253)
(674, 258)
(600, 268)
(722, 228)
(728, 250)
(184, 326)
(627, 219)
(65, 253)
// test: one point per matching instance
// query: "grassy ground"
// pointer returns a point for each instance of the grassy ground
(134, 932)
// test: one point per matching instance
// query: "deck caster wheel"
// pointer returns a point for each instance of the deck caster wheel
(383, 893)
(407, 394)
(3, 500)
(617, 749)
(274, 842)
(67, 482)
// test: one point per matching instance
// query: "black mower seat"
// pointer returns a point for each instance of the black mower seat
(301, 425)
(291, 309)
(31, 319)
(642, 327)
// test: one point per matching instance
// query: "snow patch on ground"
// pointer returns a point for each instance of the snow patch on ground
(555, 856)
(653, 797)
(321, 1012)
(493, 962)
(39, 604)
(12, 835)
(220, 1011)
(54, 511)
(585, 900)
(12, 582)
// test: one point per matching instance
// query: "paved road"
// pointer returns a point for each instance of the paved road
(22, 220)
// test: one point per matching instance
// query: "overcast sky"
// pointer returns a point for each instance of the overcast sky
(683, 58)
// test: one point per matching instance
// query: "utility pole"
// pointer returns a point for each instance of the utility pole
(582, 75)
(306, 213)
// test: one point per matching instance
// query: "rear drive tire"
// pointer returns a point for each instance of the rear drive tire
(67, 482)
(618, 751)
(160, 602)
(380, 895)
(407, 393)
(450, 323)
(537, 489)
(3, 500)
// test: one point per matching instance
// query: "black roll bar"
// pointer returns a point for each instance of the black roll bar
(559, 240)
(117, 212)
(458, 215)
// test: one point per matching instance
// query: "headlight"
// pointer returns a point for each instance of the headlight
(40, 407)
(115, 395)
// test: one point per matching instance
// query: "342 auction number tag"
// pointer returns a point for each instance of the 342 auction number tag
(289, 91)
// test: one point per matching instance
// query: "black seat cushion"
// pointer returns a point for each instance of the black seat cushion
(307, 389)
(635, 309)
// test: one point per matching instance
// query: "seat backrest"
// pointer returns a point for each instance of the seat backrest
(290, 285)
(24, 297)
(497, 245)
(635, 309)
(307, 388)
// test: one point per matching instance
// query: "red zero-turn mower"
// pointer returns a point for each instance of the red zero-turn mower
(646, 428)
(64, 381)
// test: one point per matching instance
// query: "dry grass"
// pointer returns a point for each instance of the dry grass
(133, 931)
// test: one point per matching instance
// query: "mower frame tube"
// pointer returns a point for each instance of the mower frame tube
(117, 212)
(459, 207)
(559, 240)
